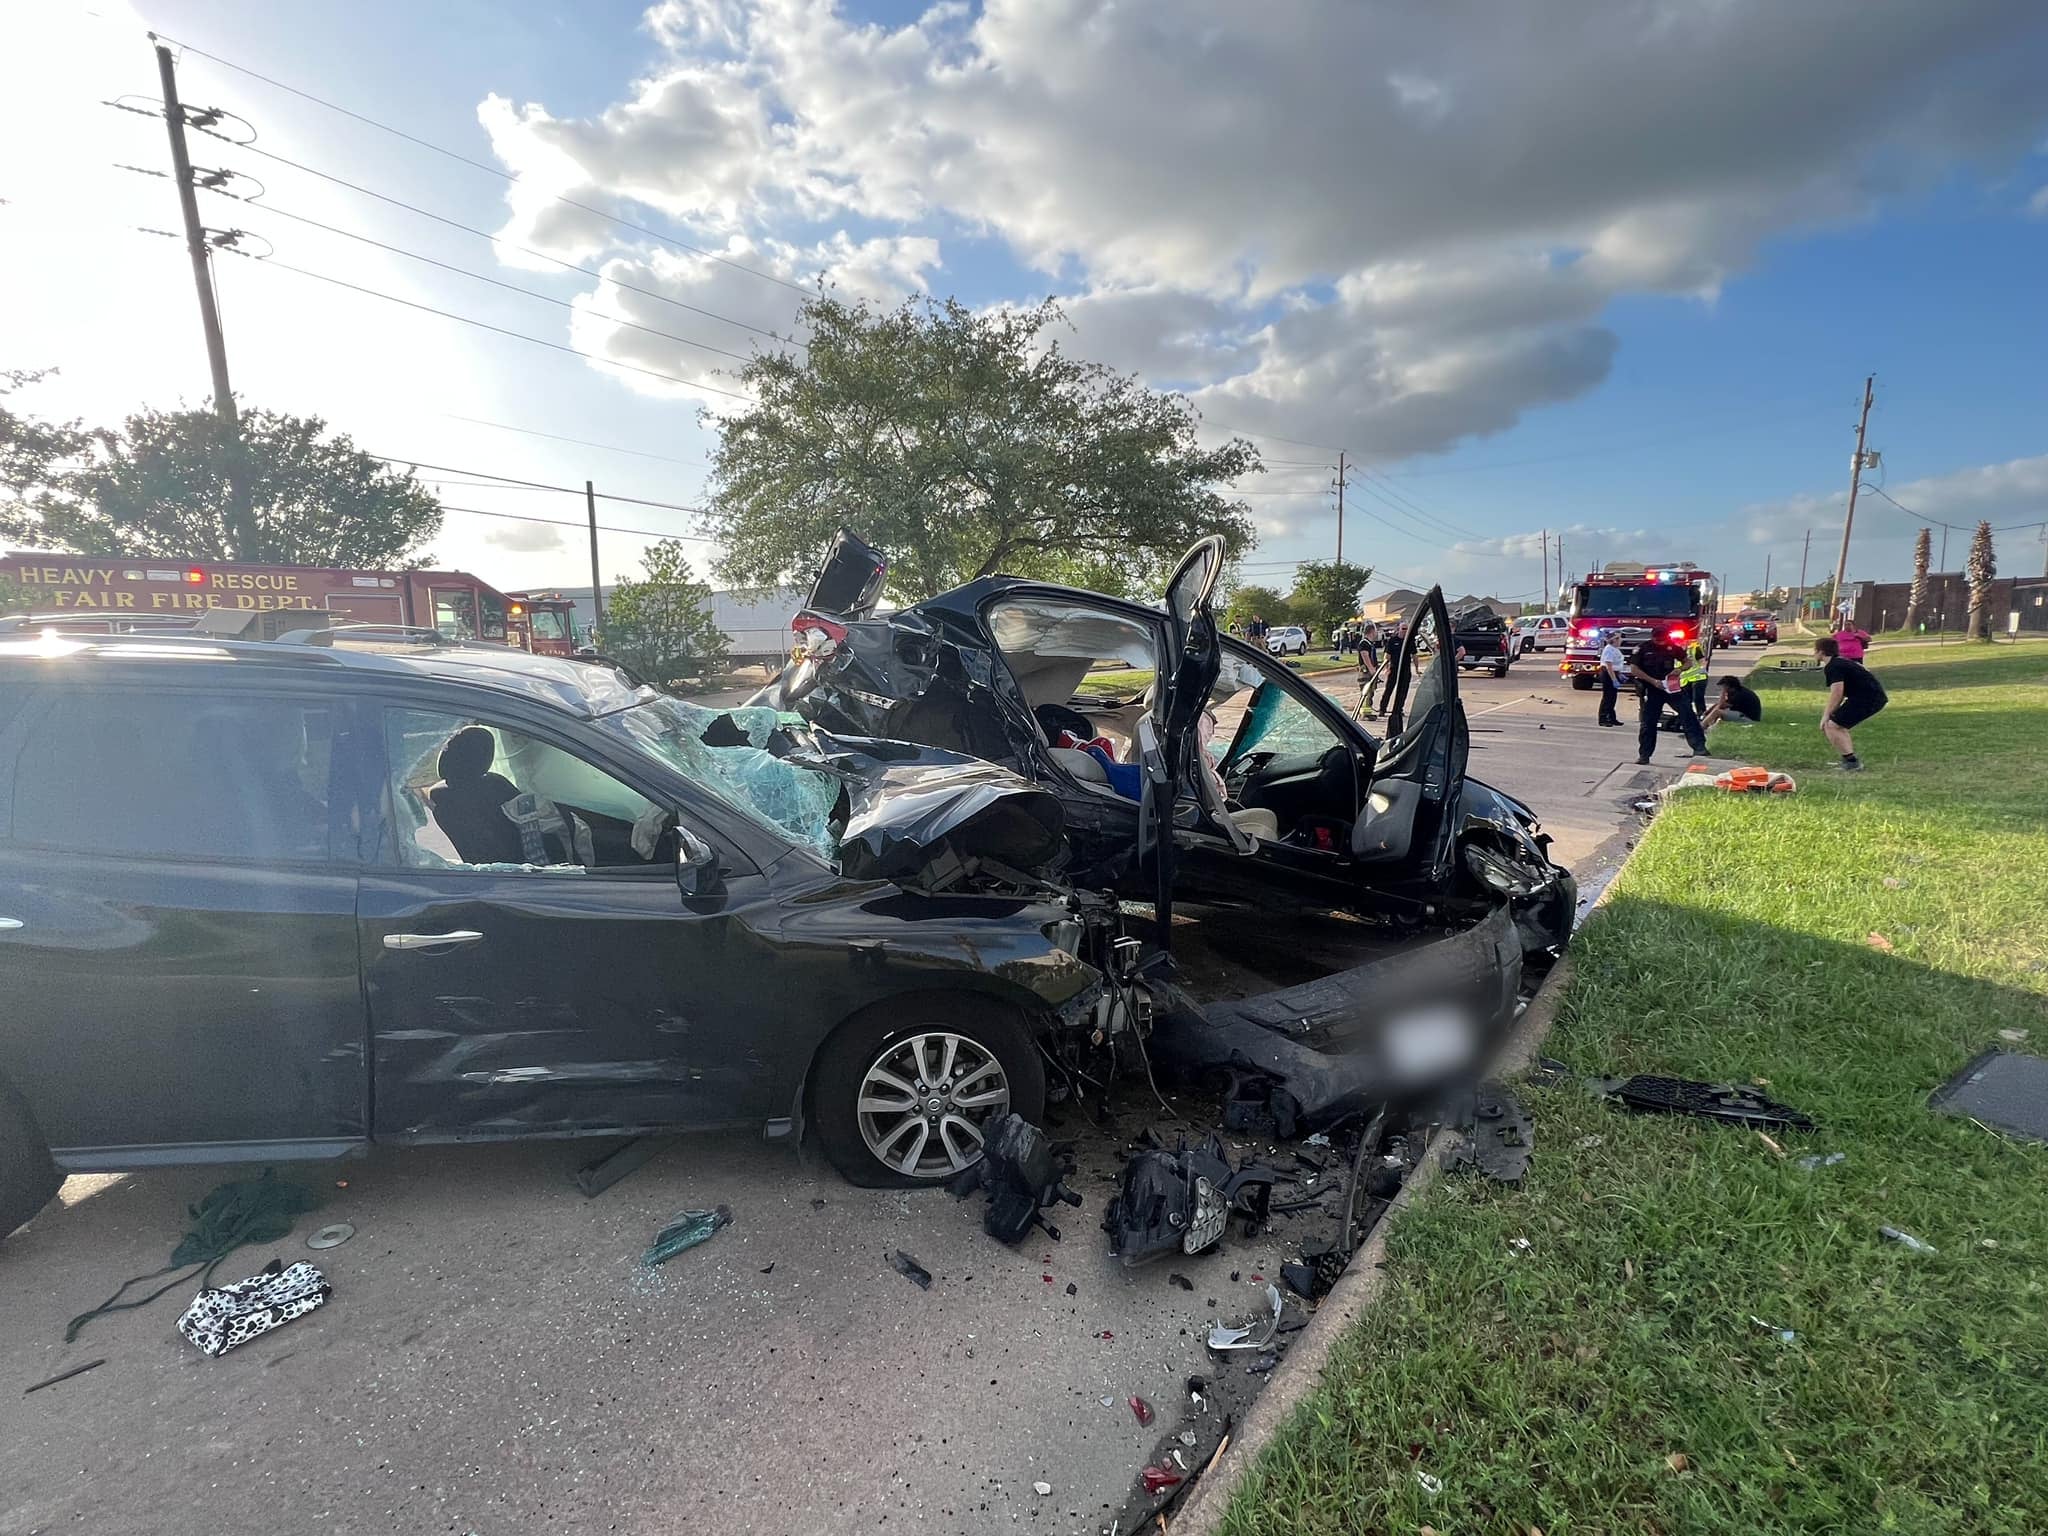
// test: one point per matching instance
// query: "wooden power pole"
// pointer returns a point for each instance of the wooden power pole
(1855, 480)
(1340, 507)
(596, 581)
(209, 311)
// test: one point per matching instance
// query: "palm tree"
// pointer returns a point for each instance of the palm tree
(1916, 599)
(1980, 570)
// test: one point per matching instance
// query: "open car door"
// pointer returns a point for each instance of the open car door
(1409, 817)
(1167, 737)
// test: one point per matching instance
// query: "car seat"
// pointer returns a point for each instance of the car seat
(468, 802)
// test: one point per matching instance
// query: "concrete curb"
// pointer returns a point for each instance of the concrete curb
(1362, 1283)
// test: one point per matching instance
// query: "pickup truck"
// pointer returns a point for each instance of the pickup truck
(1485, 639)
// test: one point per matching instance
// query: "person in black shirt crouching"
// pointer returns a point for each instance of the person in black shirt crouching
(1854, 695)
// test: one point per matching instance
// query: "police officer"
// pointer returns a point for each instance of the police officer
(1655, 666)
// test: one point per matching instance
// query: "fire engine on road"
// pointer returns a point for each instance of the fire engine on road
(117, 593)
(1674, 601)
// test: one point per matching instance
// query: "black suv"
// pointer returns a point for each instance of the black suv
(278, 900)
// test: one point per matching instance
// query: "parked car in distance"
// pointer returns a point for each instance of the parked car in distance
(1543, 631)
(276, 900)
(1288, 640)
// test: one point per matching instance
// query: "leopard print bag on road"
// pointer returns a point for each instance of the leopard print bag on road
(223, 1317)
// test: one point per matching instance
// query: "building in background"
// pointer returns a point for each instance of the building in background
(754, 620)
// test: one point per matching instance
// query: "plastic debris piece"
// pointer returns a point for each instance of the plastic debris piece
(1519, 1244)
(1109, 1402)
(1073, 1289)
(1105, 1334)
(2002, 1090)
(1908, 1240)
(1428, 1484)
(911, 1270)
(768, 1268)
(1785, 1335)
(1714, 1101)
(686, 1229)
(1814, 1160)
(1182, 1281)
(1158, 1480)
(1317, 1140)
(1023, 1171)
(2013, 1036)
(1046, 1278)
(1588, 1143)
(1041, 1489)
(1187, 1437)
(1141, 1410)
(1262, 1364)
(1677, 1461)
(1255, 1335)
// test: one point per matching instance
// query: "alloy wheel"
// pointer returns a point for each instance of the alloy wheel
(925, 1099)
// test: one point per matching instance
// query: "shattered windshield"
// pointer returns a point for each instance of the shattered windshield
(781, 793)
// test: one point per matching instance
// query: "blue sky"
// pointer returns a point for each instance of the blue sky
(1592, 277)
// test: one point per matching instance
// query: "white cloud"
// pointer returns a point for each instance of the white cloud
(1234, 207)
(526, 538)
(2037, 205)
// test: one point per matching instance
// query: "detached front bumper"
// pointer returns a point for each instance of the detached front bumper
(1402, 1027)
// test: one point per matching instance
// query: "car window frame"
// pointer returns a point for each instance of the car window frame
(501, 711)
(15, 737)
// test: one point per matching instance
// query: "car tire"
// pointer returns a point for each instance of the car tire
(28, 1178)
(1582, 684)
(1500, 669)
(999, 1032)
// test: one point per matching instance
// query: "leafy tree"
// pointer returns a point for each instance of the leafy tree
(13, 598)
(1248, 603)
(1980, 570)
(1916, 598)
(660, 625)
(1326, 592)
(159, 488)
(961, 443)
(35, 459)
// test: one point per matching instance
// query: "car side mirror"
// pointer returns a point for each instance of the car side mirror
(697, 869)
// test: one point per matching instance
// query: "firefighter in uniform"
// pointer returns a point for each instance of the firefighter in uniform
(1693, 676)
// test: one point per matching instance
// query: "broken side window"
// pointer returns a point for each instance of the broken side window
(466, 794)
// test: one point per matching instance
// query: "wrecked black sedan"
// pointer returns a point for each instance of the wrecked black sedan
(1276, 797)
(1313, 883)
(265, 901)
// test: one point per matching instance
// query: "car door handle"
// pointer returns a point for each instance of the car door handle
(8, 924)
(430, 940)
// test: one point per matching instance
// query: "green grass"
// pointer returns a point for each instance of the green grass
(1547, 1388)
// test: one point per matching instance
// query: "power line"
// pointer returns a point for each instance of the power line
(545, 298)
(563, 522)
(1271, 437)
(540, 485)
(580, 442)
(481, 165)
(556, 346)
(484, 234)
(1951, 527)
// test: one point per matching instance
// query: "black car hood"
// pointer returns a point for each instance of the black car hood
(935, 820)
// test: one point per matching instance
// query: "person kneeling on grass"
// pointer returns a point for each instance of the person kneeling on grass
(1854, 695)
(1738, 702)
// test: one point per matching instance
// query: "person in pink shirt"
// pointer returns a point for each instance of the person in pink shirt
(1850, 641)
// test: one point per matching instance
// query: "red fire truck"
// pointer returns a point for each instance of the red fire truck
(120, 593)
(1674, 600)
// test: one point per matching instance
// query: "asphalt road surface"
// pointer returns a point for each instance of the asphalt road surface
(495, 1360)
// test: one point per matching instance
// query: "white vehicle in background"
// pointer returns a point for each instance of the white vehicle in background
(1289, 640)
(1543, 631)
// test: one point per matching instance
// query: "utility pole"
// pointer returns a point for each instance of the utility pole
(1546, 568)
(1855, 480)
(209, 311)
(596, 581)
(1340, 506)
(1560, 567)
(1767, 574)
(1804, 550)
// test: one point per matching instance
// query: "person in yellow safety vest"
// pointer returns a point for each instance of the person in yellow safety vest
(1693, 677)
